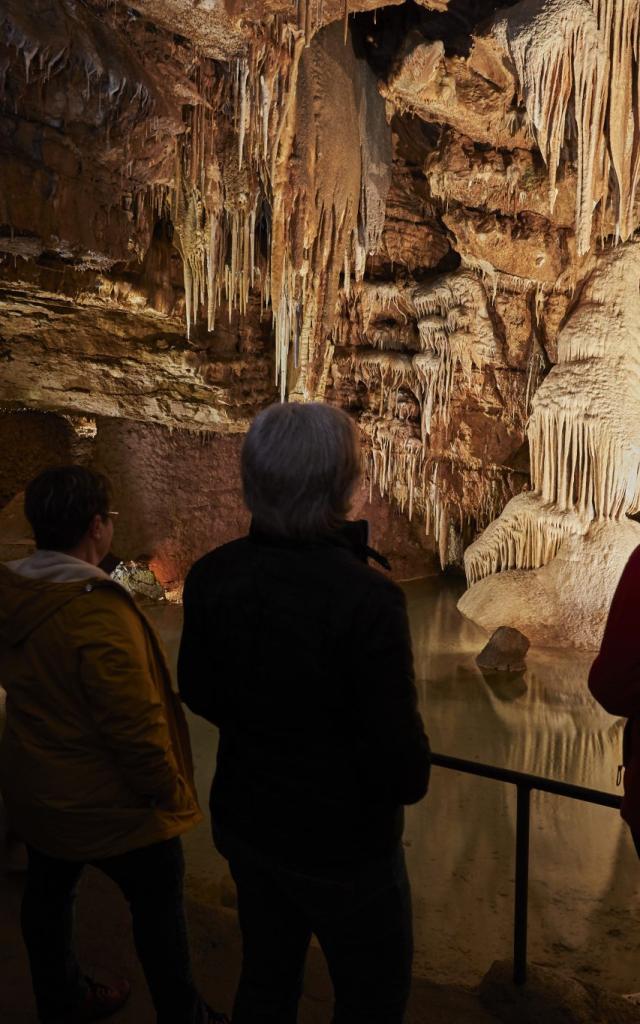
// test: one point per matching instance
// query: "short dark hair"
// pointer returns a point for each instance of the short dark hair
(300, 464)
(61, 502)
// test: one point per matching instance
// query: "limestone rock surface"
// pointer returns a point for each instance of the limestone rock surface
(564, 603)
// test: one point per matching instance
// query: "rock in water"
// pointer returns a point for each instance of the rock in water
(505, 651)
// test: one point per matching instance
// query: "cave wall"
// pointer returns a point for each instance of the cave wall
(29, 443)
(177, 495)
(394, 210)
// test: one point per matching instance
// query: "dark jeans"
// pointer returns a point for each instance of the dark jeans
(151, 879)
(361, 917)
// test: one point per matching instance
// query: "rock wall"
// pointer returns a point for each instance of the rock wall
(29, 443)
(177, 495)
(389, 207)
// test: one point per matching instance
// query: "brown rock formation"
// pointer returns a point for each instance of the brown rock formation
(200, 202)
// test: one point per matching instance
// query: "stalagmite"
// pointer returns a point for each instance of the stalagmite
(584, 438)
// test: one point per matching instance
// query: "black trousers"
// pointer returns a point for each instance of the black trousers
(151, 879)
(361, 917)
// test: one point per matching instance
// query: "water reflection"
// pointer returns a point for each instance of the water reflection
(585, 877)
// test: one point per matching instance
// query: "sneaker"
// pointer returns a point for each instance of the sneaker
(99, 1001)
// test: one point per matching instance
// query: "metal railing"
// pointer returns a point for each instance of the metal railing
(524, 783)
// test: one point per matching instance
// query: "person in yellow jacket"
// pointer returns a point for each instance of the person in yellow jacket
(95, 761)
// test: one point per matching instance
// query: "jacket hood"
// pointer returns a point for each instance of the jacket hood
(34, 588)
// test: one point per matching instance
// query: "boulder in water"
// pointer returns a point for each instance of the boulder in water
(505, 651)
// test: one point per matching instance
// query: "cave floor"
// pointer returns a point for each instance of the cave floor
(584, 900)
(106, 948)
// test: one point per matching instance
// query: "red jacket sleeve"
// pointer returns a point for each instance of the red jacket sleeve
(614, 679)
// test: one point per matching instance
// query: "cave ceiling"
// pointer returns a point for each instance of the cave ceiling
(205, 206)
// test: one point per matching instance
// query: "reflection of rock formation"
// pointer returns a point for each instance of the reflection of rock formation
(583, 882)
(584, 436)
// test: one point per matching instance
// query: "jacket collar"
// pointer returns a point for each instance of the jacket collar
(352, 536)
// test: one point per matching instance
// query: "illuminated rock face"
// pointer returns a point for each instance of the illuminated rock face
(571, 531)
(208, 207)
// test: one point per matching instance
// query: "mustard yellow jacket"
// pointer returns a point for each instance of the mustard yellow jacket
(95, 758)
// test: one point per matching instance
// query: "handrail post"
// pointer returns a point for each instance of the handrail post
(524, 782)
(522, 885)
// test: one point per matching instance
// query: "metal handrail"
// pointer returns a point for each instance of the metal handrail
(524, 783)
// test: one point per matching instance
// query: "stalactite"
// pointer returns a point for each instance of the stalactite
(218, 191)
(455, 331)
(578, 63)
(524, 537)
(334, 217)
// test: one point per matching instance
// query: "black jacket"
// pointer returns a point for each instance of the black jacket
(301, 655)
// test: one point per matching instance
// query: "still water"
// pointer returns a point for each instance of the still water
(584, 900)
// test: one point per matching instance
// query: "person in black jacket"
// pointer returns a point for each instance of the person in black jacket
(300, 653)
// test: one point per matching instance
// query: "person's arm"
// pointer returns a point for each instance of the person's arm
(122, 698)
(389, 730)
(195, 682)
(614, 679)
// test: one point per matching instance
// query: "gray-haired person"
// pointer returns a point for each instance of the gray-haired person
(300, 653)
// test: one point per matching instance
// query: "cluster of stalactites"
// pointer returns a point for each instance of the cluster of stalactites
(243, 219)
(73, 37)
(218, 257)
(427, 375)
(525, 536)
(578, 64)
(576, 463)
(385, 371)
(583, 435)
(337, 205)
(454, 332)
(227, 162)
(396, 464)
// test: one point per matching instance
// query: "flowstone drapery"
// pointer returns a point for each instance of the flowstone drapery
(550, 563)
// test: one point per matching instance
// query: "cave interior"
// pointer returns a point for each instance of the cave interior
(422, 212)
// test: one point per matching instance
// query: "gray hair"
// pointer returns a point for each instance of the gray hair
(300, 464)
